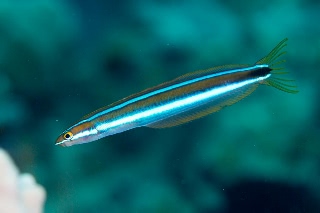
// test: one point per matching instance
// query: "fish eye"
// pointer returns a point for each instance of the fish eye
(68, 135)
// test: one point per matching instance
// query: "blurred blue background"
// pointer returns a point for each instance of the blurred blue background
(60, 60)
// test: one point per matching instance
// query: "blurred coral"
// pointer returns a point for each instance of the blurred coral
(18, 192)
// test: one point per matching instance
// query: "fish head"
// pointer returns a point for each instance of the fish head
(82, 132)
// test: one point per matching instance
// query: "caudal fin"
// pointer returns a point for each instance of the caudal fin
(273, 61)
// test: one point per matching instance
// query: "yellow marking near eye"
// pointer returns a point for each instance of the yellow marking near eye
(68, 135)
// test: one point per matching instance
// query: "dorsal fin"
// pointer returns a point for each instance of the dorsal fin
(185, 77)
(211, 70)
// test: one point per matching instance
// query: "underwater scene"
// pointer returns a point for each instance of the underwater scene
(254, 148)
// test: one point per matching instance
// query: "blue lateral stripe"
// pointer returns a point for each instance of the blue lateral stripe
(177, 105)
(174, 87)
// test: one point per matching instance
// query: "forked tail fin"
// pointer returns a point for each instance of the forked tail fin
(272, 60)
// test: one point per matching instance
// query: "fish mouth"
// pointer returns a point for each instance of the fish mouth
(61, 143)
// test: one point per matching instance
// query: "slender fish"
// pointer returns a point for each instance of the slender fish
(181, 100)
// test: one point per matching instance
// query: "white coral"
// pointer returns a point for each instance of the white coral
(18, 192)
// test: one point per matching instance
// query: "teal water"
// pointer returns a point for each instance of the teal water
(60, 60)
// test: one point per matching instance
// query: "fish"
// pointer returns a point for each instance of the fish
(183, 99)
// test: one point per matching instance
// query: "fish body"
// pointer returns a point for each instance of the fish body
(181, 100)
